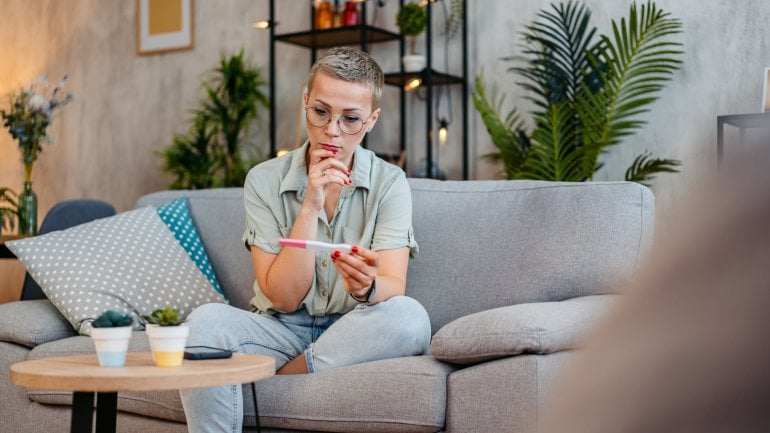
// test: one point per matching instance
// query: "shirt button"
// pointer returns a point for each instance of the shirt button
(323, 293)
(328, 233)
(323, 264)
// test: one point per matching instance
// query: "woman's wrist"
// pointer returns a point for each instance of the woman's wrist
(368, 296)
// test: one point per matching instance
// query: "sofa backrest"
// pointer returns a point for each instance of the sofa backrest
(487, 244)
(483, 244)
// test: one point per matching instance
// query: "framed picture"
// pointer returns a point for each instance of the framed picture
(163, 25)
(766, 91)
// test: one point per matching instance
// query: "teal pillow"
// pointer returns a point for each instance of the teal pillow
(176, 216)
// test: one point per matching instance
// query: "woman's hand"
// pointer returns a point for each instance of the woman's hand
(324, 169)
(358, 269)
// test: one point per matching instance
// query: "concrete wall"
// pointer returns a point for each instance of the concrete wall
(127, 106)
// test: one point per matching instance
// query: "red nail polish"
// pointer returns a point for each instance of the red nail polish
(354, 248)
(336, 254)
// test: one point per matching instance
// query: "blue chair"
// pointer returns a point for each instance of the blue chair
(62, 216)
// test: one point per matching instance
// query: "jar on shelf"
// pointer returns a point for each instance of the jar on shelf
(324, 15)
(338, 18)
(350, 15)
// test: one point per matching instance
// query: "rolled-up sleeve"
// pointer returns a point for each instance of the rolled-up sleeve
(262, 228)
(393, 227)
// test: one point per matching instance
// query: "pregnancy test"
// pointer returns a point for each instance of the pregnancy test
(315, 245)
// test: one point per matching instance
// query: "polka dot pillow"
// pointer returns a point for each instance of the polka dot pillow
(130, 261)
(176, 216)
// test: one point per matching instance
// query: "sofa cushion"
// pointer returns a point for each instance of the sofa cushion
(543, 327)
(30, 323)
(176, 215)
(220, 217)
(392, 395)
(489, 244)
(129, 262)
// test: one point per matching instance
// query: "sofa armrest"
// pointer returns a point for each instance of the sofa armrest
(31, 323)
(543, 327)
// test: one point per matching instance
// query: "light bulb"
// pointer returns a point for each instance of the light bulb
(263, 24)
(412, 84)
(281, 152)
(442, 132)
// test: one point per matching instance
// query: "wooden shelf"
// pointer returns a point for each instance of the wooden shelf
(327, 38)
(437, 78)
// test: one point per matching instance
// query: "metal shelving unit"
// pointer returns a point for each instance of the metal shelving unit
(364, 35)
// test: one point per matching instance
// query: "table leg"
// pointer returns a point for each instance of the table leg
(82, 412)
(106, 412)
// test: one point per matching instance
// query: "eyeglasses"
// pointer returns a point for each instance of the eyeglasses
(349, 124)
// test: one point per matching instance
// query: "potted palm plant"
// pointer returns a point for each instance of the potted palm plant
(588, 93)
(167, 334)
(216, 150)
(411, 21)
(111, 333)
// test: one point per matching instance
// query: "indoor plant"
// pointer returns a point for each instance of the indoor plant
(30, 112)
(8, 213)
(411, 21)
(111, 332)
(213, 152)
(587, 94)
(168, 335)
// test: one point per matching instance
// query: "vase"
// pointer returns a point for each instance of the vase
(167, 344)
(350, 16)
(27, 211)
(324, 16)
(111, 345)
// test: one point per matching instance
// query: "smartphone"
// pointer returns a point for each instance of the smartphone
(206, 352)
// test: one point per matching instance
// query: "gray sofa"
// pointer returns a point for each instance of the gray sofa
(512, 273)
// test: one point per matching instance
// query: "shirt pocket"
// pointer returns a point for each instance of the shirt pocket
(354, 237)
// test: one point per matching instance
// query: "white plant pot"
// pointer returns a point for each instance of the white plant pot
(167, 344)
(111, 345)
(414, 62)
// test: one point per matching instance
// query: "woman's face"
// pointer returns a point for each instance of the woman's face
(348, 105)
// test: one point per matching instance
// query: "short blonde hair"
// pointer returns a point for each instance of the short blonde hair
(352, 65)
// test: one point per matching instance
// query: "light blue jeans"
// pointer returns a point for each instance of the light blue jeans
(391, 329)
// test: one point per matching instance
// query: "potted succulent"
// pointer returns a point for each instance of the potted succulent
(412, 20)
(9, 212)
(111, 332)
(168, 335)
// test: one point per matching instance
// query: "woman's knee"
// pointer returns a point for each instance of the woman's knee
(409, 321)
(206, 321)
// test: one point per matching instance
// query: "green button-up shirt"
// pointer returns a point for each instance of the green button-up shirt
(375, 212)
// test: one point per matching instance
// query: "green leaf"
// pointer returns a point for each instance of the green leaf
(508, 134)
(644, 168)
(211, 153)
(166, 317)
(113, 319)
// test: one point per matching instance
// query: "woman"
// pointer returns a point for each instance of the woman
(318, 310)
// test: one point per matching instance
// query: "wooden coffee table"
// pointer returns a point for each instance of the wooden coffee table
(82, 375)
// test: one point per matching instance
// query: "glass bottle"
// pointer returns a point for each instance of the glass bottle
(324, 16)
(338, 18)
(350, 16)
(27, 211)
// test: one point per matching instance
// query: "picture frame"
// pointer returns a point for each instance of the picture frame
(766, 91)
(164, 25)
